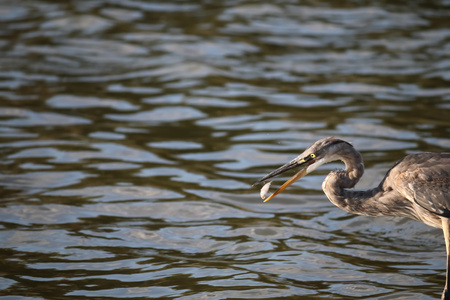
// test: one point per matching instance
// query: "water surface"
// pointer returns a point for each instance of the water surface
(131, 132)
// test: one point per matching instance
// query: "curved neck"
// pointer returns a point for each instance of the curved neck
(354, 170)
(379, 201)
(337, 182)
(373, 202)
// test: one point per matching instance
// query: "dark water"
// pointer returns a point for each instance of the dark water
(131, 132)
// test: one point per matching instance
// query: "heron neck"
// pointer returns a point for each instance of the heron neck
(338, 182)
(373, 202)
(354, 169)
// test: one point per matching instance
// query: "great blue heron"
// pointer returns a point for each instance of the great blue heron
(417, 186)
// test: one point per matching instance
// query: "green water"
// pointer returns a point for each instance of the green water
(131, 133)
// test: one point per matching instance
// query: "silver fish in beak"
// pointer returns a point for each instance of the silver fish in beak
(299, 162)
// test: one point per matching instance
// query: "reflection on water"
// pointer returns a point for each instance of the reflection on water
(133, 130)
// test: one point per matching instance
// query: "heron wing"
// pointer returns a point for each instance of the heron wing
(425, 179)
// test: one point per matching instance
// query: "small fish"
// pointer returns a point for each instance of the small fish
(264, 190)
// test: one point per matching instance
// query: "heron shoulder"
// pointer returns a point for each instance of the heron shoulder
(424, 179)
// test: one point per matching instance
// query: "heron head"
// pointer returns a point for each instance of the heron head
(321, 152)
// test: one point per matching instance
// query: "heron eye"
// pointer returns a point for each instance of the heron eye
(312, 155)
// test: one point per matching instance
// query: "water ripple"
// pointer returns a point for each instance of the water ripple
(133, 130)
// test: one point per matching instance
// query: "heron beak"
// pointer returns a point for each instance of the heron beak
(297, 162)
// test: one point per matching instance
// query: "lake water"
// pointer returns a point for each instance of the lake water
(131, 133)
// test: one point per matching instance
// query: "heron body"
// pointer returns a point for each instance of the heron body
(417, 186)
